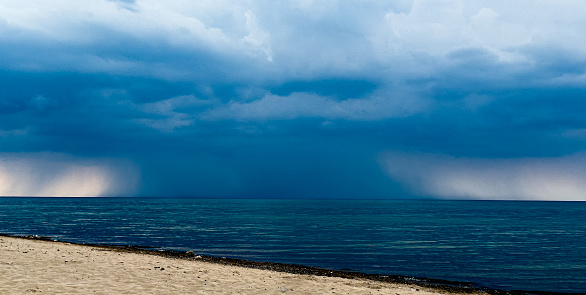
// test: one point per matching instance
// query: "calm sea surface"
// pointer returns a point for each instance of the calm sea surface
(507, 245)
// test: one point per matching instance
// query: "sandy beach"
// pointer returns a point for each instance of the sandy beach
(32, 266)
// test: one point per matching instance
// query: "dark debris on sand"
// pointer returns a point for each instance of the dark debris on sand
(443, 285)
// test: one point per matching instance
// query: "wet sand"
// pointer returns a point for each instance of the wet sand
(36, 266)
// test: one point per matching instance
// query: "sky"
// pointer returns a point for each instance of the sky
(293, 99)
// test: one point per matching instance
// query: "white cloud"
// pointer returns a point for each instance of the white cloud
(58, 175)
(307, 37)
(307, 105)
(562, 178)
(439, 27)
(257, 38)
(172, 113)
(64, 20)
(77, 28)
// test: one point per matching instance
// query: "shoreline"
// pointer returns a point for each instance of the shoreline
(438, 285)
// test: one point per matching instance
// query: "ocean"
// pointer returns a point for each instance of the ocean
(538, 246)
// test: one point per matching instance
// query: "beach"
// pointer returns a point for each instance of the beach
(35, 266)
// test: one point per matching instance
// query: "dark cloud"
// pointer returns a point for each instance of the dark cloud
(302, 101)
(339, 88)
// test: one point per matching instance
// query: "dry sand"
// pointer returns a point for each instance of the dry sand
(43, 267)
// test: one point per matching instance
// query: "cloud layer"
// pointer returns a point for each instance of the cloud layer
(562, 178)
(49, 175)
(258, 98)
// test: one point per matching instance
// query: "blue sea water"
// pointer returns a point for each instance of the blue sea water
(507, 245)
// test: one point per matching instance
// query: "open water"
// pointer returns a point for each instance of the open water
(506, 245)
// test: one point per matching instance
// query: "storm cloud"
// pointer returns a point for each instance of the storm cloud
(293, 99)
